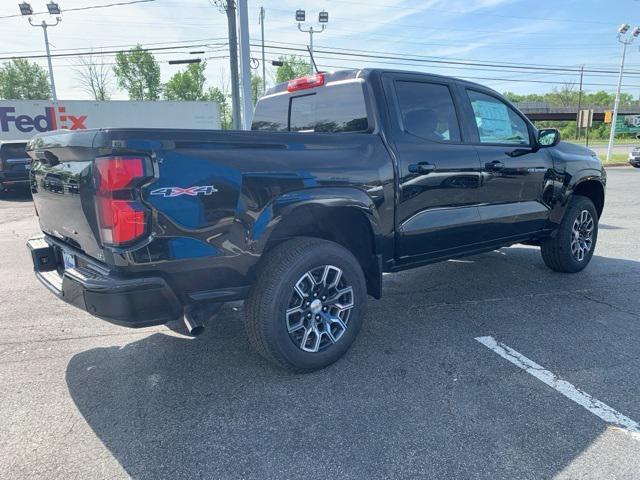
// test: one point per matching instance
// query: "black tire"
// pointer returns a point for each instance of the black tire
(274, 294)
(557, 250)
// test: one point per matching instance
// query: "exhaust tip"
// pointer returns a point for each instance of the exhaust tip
(194, 325)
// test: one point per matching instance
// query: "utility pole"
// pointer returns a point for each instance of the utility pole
(54, 9)
(579, 103)
(624, 40)
(245, 64)
(264, 65)
(323, 19)
(229, 6)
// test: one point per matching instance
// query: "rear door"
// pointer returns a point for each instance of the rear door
(513, 169)
(439, 175)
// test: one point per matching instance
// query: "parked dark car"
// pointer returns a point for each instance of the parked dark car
(345, 176)
(14, 164)
(634, 157)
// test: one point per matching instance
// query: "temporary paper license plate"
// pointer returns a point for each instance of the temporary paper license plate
(68, 260)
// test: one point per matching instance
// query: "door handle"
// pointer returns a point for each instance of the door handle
(422, 168)
(495, 165)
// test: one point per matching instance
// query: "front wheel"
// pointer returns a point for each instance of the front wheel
(307, 304)
(571, 249)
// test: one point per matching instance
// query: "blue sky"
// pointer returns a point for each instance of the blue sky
(568, 33)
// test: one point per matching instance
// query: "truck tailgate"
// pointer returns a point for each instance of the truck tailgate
(63, 189)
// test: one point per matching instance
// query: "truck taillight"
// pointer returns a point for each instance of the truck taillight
(310, 81)
(122, 218)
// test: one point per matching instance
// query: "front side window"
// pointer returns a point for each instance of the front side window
(427, 111)
(496, 121)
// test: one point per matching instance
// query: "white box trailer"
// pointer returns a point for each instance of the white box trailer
(21, 119)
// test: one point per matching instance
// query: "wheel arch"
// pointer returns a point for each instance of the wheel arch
(346, 216)
(593, 189)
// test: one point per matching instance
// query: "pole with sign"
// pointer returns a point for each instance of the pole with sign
(585, 120)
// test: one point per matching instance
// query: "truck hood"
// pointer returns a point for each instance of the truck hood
(569, 150)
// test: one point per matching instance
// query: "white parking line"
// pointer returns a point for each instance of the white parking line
(595, 406)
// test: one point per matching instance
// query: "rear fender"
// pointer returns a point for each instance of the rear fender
(303, 209)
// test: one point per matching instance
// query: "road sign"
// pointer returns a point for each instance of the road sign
(628, 124)
(585, 118)
(608, 116)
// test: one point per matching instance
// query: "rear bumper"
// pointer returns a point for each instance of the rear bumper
(130, 302)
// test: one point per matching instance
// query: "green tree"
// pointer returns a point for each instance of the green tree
(23, 80)
(188, 84)
(292, 67)
(224, 103)
(139, 74)
(256, 88)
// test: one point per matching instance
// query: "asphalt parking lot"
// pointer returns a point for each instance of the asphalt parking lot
(416, 397)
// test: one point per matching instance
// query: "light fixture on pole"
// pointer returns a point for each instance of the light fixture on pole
(323, 19)
(625, 40)
(25, 9)
(54, 9)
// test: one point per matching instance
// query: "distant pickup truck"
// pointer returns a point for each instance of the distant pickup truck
(14, 164)
(344, 176)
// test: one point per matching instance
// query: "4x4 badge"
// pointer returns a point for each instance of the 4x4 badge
(191, 191)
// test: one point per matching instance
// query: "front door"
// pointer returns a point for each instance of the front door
(514, 169)
(439, 175)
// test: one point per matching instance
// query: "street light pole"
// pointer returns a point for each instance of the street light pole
(311, 31)
(624, 28)
(54, 9)
(44, 26)
(323, 19)
(245, 64)
(264, 64)
(579, 103)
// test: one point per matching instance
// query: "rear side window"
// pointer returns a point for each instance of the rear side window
(271, 114)
(496, 121)
(13, 150)
(333, 108)
(427, 111)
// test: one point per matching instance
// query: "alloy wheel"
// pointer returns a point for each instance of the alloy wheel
(582, 235)
(319, 308)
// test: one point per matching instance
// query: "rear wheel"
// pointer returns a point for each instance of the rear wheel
(571, 249)
(307, 305)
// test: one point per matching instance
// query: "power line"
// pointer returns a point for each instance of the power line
(126, 45)
(90, 7)
(91, 52)
(377, 56)
(463, 77)
(393, 56)
(430, 57)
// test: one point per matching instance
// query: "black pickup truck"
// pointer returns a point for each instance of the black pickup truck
(344, 176)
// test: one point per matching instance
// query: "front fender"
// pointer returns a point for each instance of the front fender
(570, 184)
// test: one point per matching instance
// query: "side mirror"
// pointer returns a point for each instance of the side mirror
(548, 137)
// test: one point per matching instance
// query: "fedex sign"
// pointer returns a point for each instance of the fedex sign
(48, 120)
(22, 119)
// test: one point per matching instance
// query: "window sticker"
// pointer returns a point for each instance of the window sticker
(492, 119)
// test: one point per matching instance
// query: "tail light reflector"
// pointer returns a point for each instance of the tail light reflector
(122, 218)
